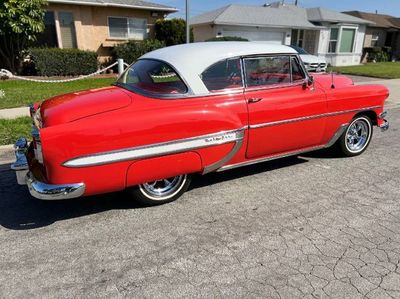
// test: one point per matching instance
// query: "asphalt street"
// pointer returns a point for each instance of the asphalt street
(314, 226)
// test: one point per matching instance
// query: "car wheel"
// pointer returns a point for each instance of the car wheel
(357, 137)
(162, 191)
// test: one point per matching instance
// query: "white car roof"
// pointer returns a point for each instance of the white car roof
(190, 60)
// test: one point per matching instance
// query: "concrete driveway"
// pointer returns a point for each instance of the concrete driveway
(314, 226)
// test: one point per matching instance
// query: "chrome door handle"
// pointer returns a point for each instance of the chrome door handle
(254, 100)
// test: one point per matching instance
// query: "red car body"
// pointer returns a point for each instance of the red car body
(112, 138)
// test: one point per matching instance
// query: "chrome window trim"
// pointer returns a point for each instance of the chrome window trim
(190, 94)
(310, 117)
(158, 149)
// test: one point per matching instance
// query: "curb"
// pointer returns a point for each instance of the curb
(7, 154)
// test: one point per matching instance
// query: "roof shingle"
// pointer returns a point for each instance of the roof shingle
(119, 3)
(283, 16)
(380, 20)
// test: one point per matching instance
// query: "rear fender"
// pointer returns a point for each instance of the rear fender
(162, 167)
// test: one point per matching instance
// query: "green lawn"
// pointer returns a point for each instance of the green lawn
(12, 129)
(17, 93)
(386, 70)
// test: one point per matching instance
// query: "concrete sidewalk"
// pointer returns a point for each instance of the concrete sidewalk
(14, 112)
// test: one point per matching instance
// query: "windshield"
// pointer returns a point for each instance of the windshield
(299, 50)
(152, 76)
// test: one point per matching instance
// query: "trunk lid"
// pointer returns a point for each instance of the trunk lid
(73, 106)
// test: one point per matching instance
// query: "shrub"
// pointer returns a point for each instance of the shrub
(132, 50)
(227, 39)
(172, 32)
(378, 54)
(63, 62)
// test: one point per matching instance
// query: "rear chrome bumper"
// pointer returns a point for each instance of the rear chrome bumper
(37, 188)
(45, 191)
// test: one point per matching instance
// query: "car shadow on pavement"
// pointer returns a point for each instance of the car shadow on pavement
(20, 211)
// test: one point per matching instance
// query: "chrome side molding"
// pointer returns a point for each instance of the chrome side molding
(331, 142)
(158, 149)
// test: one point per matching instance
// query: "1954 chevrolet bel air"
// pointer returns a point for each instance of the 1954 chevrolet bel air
(189, 109)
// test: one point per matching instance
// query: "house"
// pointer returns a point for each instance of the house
(336, 36)
(383, 32)
(99, 25)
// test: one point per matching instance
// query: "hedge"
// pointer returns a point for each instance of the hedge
(172, 31)
(227, 38)
(63, 62)
(132, 50)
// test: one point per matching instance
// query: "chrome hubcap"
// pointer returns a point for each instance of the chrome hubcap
(357, 135)
(163, 189)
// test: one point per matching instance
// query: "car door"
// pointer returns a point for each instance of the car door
(285, 112)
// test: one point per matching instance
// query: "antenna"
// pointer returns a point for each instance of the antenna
(332, 83)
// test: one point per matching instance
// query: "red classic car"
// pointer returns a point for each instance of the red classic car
(189, 109)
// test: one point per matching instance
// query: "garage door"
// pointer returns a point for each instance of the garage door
(262, 36)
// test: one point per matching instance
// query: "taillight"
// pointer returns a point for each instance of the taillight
(37, 145)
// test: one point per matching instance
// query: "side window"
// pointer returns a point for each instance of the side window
(267, 70)
(222, 75)
(297, 71)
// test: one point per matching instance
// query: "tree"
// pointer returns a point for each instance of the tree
(20, 22)
(172, 32)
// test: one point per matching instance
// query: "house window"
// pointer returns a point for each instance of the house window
(297, 38)
(128, 28)
(48, 37)
(333, 40)
(347, 40)
(374, 39)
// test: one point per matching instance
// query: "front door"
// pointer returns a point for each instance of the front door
(67, 29)
(285, 113)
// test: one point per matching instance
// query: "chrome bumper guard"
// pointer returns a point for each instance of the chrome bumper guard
(21, 164)
(36, 188)
(385, 126)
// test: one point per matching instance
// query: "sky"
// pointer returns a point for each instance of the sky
(391, 7)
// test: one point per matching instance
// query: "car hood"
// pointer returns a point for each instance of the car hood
(73, 106)
(325, 80)
(312, 59)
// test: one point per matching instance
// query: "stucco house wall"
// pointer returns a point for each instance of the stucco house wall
(370, 31)
(91, 25)
(203, 32)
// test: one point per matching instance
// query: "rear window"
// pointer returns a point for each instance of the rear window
(153, 76)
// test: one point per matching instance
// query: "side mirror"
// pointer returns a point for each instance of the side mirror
(310, 81)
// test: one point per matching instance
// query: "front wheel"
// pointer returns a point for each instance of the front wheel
(357, 137)
(162, 191)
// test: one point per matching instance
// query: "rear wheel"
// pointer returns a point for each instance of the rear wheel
(162, 191)
(357, 137)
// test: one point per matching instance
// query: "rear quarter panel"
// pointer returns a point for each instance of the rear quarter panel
(146, 121)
